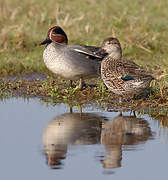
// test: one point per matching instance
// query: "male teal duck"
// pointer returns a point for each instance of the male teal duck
(71, 62)
(122, 77)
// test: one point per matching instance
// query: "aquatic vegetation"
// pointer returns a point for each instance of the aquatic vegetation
(55, 90)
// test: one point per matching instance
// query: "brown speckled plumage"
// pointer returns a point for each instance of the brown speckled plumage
(113, 69)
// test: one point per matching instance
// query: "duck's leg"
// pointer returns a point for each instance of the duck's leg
(120, 111)
(120, 100)
(81, 83)
(70, 83)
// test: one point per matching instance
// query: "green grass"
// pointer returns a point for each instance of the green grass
(140, 26)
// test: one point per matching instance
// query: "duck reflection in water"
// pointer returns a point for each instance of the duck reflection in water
(120, 132)
(69, 129)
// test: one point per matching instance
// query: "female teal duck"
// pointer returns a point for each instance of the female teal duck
(122, 77)
(71, 62)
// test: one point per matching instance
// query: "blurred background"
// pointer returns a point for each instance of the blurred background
(141, 27)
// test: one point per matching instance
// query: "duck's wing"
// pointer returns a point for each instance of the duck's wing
(91, 48)
(96, 50)
(129, 70)
(84, 50)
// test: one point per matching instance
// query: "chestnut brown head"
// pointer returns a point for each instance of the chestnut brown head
(55, 34)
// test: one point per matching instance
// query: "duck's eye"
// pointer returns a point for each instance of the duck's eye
(54, 32)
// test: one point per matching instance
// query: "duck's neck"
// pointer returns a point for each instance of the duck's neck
(54, 45)
(115, 55)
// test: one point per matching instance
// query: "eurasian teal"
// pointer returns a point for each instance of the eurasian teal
(71, 62)
(122, 77)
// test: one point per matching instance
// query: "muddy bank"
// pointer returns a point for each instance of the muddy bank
(57, 90)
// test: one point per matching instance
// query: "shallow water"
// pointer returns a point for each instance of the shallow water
(50, 142)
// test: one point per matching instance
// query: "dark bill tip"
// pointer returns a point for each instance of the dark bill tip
(46, 41)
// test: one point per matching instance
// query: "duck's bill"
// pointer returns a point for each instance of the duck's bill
(46, 41)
